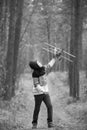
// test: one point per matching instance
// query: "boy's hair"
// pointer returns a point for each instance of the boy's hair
(34, 65)
(38, 69)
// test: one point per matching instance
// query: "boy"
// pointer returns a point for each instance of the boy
(40, 89)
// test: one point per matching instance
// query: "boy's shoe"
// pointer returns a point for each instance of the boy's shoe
(34, 126)
(50, 125)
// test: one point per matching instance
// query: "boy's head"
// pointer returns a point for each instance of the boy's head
(35, 65)
(38, 68)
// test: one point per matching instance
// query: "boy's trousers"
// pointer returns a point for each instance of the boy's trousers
(38, 100)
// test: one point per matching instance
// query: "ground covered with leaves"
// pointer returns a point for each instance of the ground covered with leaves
(68, 114)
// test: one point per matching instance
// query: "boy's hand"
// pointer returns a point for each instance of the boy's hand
(58, 54)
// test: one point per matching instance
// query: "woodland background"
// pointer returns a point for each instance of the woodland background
(24, 28)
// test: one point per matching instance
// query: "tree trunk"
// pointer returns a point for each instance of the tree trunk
(16, 7)
(48, 35)
(17, 39)
(80, 29)
(10, 52)
(74, 49)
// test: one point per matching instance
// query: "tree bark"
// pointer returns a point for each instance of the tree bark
(10, 51)
(74, 48)
(17, 39)
(16, 7)
(48, 35)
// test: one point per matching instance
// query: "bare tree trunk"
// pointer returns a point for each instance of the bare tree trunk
(1, 45)
(80, 28)
(10, 52)
(74, 49)
(3, 37)
(17, 39)
(85, 61)
(16, 7)
(48, 35)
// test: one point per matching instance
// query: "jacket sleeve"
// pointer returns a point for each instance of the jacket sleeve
(49, 65)
(52, 62)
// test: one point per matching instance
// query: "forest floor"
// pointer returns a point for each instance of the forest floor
(68, 114)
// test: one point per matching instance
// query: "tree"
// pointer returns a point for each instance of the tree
(17, 39)
(2, 44)
(13, 45)
(74, 47)
(10, 51)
